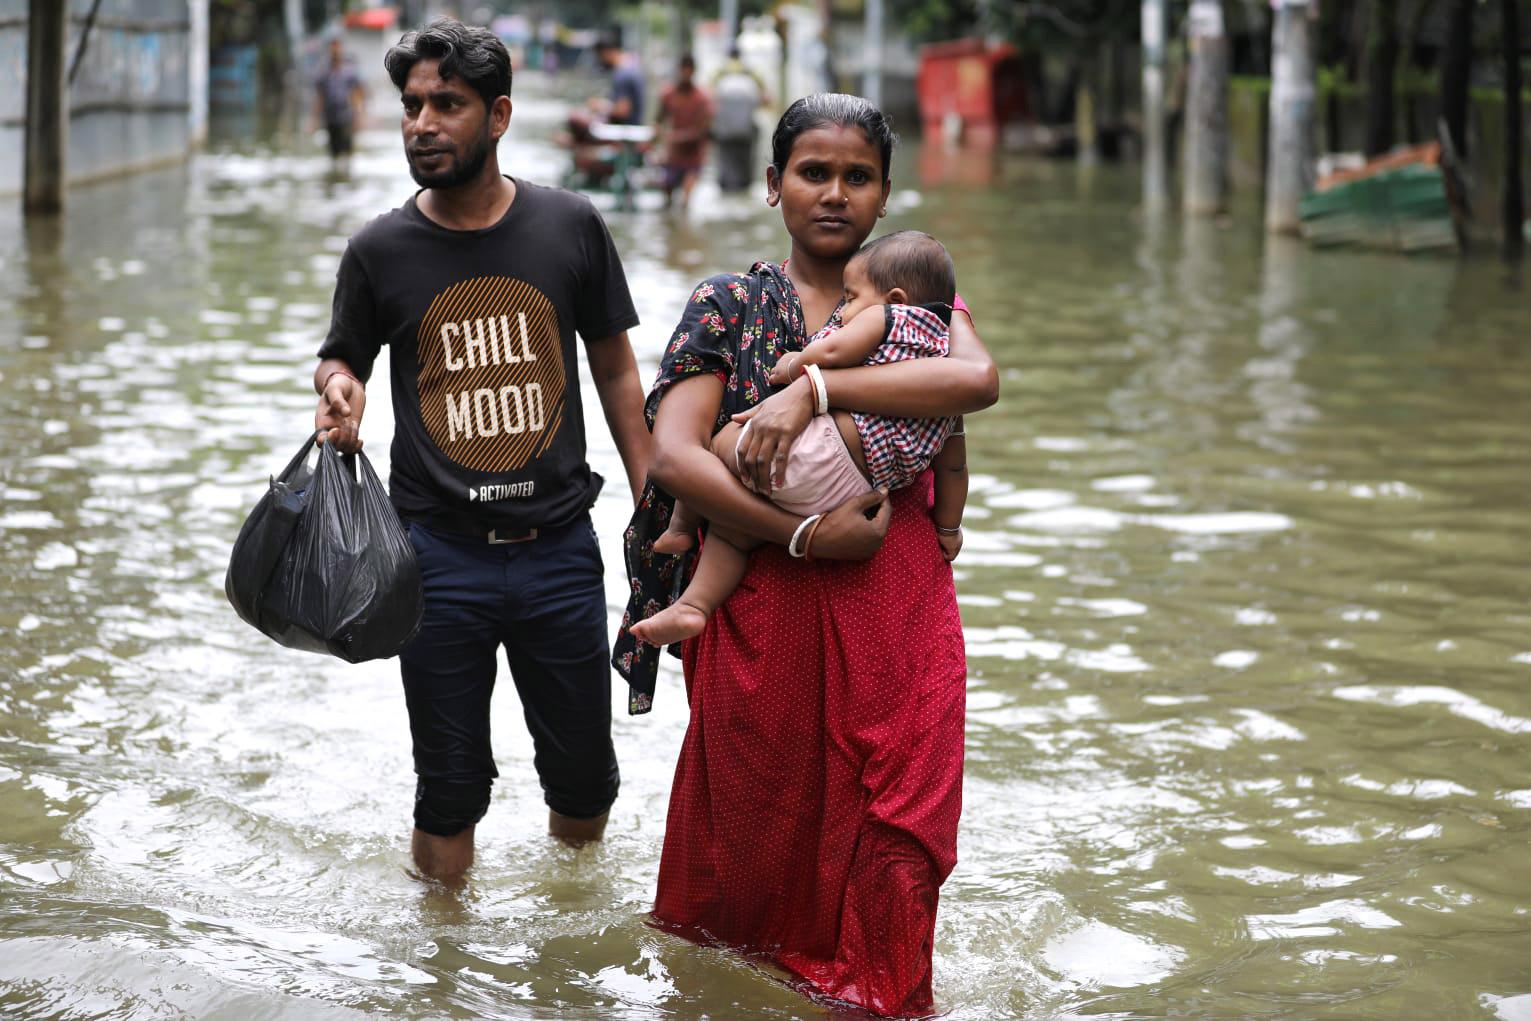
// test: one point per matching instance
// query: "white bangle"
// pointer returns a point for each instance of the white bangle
(807, 523)
(820, 391)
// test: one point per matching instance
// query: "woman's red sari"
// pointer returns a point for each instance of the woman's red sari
(814, 812)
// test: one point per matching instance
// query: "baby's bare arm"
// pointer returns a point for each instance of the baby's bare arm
(850, 345)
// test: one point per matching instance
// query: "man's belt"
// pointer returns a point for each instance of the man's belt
(471, 528)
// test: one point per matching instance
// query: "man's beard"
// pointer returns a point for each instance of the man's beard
(464, 168)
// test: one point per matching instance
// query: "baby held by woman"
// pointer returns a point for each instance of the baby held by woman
(899, 291)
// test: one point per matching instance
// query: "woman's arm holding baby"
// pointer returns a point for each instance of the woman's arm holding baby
(850, 345)
(684, 466)
(963, 382)
(951, 468)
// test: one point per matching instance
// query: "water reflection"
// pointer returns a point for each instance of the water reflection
(1245, 592)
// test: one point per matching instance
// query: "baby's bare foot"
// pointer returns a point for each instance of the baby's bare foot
(675, 624)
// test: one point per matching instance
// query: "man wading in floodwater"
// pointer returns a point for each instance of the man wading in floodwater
(479, 283)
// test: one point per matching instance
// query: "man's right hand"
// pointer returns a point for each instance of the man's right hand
(846, 533)
(339, 412)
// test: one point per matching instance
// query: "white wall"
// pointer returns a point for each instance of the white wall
(131, 104)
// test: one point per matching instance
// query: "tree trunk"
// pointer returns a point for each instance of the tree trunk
(1116, 143)
(1456, 69)
(1086, 116)
(1412, 43)
(1155, 162)
(47, 123)
(1206, 120)
(1514, 198)
(1292, 94)
(1381, 74)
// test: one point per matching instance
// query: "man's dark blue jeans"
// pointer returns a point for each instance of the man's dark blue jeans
(544, 601)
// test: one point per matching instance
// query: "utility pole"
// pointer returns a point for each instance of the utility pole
(871, 76)
(1290, 175)
(1155, 153)
(1206, 122)
(1514, 201)
(47, 127)
(729, 15)
(827, 42)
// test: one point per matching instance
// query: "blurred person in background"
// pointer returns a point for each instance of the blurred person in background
(625, 105)
(737, 92)
(339, 100)
(685, 118)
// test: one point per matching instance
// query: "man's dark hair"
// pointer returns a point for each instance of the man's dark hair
(914, 261)
(686, 61)
(609, 40)
(838, 109)
(475, 55)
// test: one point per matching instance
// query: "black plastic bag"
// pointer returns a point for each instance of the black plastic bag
(323, 563)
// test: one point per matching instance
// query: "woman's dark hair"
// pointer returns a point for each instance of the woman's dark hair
(838, 109)
(475, 55)
(914, 261)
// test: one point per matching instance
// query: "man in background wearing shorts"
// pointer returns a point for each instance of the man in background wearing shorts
(685, 120)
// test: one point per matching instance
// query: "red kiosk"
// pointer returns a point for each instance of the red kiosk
(982, 86)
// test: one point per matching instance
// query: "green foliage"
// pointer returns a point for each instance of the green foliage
(935, 20)
(1047, 26)
(1064, 25)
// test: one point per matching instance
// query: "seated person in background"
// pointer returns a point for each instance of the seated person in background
(593, 159)
(898, 299)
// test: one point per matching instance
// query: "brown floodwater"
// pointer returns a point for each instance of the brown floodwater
(1247, 591)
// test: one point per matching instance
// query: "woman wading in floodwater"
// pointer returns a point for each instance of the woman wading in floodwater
(814, 812)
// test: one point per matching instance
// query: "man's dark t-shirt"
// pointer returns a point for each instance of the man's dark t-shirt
(486, 397)
(336, 86)
(627, 83)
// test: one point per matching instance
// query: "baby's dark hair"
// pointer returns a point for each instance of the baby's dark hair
(914, 261)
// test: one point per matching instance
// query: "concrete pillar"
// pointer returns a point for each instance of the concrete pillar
(47, 128)
(197, 73)
(1290, 174)
(1155, 152)
(1206, 114)
(871, 75)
